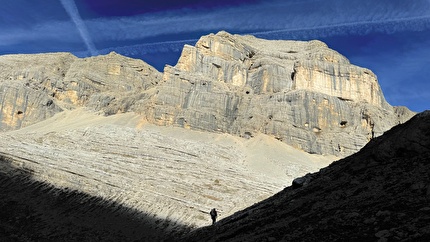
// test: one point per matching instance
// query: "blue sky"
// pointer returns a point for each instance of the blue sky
(390, 37)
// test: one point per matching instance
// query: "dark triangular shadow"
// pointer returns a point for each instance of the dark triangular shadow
(31, 210)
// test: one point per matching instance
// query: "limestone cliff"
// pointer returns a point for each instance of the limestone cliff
(35, 87)
(23, 96)
(300, 92)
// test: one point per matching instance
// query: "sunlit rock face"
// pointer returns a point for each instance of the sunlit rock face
(35, 87)
(300, 92)
(26, 95)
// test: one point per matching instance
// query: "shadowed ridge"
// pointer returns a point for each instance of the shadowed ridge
(380, 193)
(35, 211)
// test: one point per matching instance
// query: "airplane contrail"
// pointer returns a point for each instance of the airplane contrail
(73, 12)
(286, 33)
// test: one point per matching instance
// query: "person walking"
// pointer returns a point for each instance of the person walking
(213, 214)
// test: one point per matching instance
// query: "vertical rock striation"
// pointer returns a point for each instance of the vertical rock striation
(26, 95)
(301, 92)
(35, 87)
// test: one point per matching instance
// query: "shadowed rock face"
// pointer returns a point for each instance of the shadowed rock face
(300, 92)
(382, 192)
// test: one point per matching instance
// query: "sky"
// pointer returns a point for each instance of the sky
(389, 37)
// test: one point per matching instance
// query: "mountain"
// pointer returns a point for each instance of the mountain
(299, 92)
(232, 123)
(381, 193)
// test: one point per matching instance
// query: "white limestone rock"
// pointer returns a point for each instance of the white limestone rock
(300, 92)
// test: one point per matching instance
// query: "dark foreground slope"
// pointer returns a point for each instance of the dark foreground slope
(381, 193)
(35, 211)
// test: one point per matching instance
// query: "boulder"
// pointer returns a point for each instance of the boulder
(302, 181)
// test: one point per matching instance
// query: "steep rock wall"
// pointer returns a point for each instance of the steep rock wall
(35, 87)
(302, 93)
(25, 94)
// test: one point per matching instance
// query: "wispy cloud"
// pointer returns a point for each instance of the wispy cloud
(168, 31)
(73, 12)
(269, 19)
(56, 36)
(148, 48)
(274, 19)
(291, 19)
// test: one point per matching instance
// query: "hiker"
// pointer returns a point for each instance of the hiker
(213, 214)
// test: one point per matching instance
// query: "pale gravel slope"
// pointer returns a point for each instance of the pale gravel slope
(170, 172)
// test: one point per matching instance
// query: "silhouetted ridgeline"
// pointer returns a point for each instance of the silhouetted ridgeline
(36, 211)
(381, 193)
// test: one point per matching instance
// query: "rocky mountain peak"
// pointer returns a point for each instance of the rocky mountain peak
(273, 66)
(300, 92)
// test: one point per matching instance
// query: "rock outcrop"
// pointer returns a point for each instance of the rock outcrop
(35, 87)
(24, 97)
(380, 193)
(300, 92)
